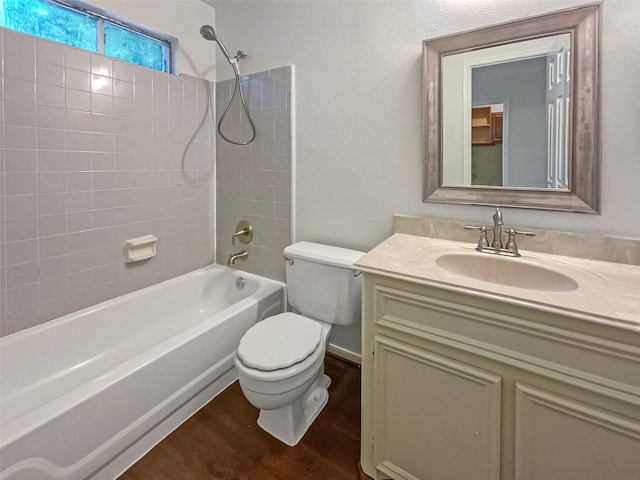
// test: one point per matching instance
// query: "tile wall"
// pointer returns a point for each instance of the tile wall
(93, 152)
(254, 182)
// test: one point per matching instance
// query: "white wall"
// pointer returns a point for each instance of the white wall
(358, 107)
(181, 19)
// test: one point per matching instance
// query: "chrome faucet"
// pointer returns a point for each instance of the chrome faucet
(235, 256)
(511, 249)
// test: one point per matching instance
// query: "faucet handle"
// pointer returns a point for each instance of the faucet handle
(482, 242)
(519, 232)
(244, 233)
(511, 243)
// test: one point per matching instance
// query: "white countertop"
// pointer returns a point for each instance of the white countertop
(607, 293)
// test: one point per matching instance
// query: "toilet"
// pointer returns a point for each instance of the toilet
(280, 360)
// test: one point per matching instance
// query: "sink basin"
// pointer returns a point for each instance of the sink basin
(512, 272)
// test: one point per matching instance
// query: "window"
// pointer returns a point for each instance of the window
(90, 29)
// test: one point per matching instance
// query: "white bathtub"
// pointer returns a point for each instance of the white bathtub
(86, 395)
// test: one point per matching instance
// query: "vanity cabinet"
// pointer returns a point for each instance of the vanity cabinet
(460, 386)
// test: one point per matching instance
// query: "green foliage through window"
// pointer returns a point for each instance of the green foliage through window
(133, 47)
(50, 21)
(81, 29)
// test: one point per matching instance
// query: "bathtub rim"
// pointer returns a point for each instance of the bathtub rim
(15, 336)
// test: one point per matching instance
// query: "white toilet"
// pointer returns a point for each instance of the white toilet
(280, 360)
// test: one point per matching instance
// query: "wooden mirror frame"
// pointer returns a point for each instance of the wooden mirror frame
(583, 195)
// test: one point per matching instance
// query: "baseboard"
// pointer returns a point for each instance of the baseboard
(345, 354)
(361, 474)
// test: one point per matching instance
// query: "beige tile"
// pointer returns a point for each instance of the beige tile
(77, 59)
(49, 74)
(20, 252)
(50, 225)
(51, 117)
(101, 65)
(22, 274)
(50, 52)
(19, 114)
(54, 246)
(20, 137)
(77, 80)
(19, 67)
(50, 95)
(20, 229)
(20, 206)
(20, 160)
(51, 139)
(21, 183)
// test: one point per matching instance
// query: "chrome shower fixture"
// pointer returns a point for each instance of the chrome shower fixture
(208, 33)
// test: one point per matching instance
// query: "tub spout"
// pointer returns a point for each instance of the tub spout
(235, 256)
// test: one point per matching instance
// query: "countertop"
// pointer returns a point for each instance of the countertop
(607, 293)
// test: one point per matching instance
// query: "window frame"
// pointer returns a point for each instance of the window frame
(170, 44)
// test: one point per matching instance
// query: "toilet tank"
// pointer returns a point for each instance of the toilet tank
(321, 283)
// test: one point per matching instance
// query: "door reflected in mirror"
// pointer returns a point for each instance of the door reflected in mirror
(507, 116)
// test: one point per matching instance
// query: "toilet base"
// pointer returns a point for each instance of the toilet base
(289, 423)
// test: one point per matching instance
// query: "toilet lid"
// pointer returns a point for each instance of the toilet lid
(279, 341)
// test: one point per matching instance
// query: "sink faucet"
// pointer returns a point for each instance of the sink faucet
(235, 256)
(511, 249)
(497, 229)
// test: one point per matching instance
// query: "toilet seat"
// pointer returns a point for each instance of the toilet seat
(279, 342)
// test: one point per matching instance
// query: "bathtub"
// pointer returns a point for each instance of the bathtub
(88, 394)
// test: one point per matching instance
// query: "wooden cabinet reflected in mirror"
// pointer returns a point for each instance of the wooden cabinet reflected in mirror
(486, 146)
(481, 126)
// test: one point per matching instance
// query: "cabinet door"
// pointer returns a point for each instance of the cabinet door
(559, 437)
(434, 417)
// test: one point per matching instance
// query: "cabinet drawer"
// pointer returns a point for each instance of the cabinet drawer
(519, 336)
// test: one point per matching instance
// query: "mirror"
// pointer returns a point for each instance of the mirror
(511, 114)
(524, 89)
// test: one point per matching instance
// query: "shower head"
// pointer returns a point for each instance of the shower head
(208, 33)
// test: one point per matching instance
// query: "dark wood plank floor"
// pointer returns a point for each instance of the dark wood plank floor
(223, 440)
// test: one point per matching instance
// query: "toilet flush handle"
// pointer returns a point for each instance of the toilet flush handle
(290, 262)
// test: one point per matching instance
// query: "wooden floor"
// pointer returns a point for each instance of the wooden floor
(223, 440)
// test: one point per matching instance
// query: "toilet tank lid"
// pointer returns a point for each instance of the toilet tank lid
(326, 254)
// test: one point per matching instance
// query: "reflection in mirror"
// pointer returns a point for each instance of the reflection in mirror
(511, 114)
(515, 132)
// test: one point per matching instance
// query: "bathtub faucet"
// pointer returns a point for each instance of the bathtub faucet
(235, 256)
